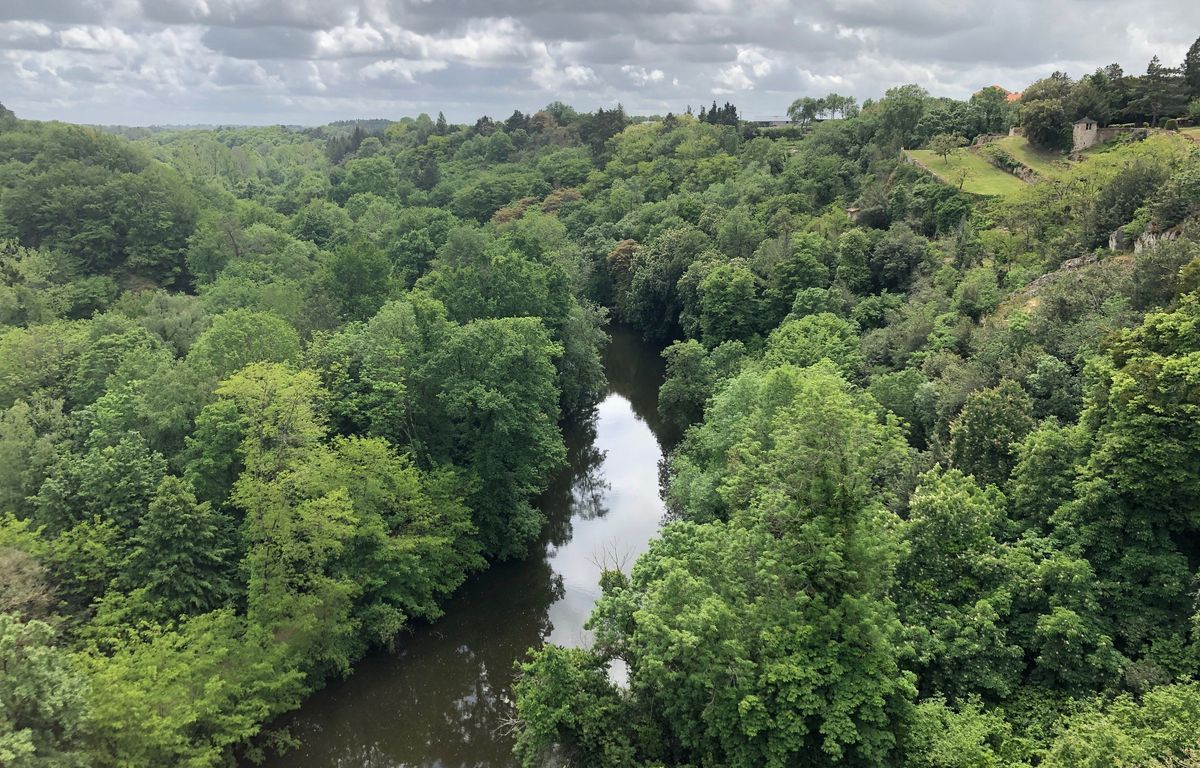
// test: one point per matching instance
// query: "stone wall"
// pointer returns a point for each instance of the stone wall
(1087, 135)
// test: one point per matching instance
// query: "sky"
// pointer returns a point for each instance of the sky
(308, 62)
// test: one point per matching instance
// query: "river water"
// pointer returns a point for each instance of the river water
(443, 698)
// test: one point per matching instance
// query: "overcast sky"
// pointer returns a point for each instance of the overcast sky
(140, 62)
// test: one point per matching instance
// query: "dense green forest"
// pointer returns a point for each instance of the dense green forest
(269, 395)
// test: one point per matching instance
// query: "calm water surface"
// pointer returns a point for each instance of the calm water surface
(441, 700)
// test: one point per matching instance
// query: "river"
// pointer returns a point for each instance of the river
(442, 699)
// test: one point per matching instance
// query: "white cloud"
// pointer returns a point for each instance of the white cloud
(96, 38)
(732, 79)
(401, 69)
(641, 76)
(756, 59)
(551, 76)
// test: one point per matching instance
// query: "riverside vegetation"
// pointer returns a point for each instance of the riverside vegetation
(268, 395)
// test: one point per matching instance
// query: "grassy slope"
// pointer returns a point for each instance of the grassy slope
(983, 178)
(1045, 164)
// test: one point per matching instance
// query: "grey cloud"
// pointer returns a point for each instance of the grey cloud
(302, 14)
(156, 61)
(261, 42)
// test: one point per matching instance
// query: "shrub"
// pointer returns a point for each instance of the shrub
(1000, 157)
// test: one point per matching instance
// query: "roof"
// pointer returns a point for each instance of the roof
(1084, 119)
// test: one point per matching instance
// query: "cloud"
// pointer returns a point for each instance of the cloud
(402, 70)
(309, 61)
(732, 79)
(551, 76)
(642, 76)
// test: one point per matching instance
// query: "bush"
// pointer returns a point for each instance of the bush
(999, 157)
(1171, 124)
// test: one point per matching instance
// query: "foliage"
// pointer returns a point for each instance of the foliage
(268, 396)
(43, 716)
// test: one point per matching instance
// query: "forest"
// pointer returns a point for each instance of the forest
(269, 395)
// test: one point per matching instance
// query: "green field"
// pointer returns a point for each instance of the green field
(982, 178)
(1045, 164)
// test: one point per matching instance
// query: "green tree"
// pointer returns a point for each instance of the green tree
(1135, 493)
(983, 434)
(179, 563)
(945, 143)
(1046, 123)
(496, 389)
(114, 482)
(900, 111)
(694, 373)
(1161, 92)
(43, 699)
(567, 704)
(953, 599)
(767, 636)
(240, 337)
(852, 251)
(358, 276)
(187, 695)
(729, 304)
(808, 340)
(991, 110)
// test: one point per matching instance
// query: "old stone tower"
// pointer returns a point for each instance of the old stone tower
(1088, 133)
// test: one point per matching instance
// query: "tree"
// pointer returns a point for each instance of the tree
(694, 373)
(498, 418)
(43, 699)
(113, 481)
(766, 636)
(840, 106)
(1161, 725)
(807, 340)
(298, 529)
(179, 561)
(900, 110)
(945, 143)
(895, 256)
(1135, 496)
(593, 726)
(804, 110)
(1160, 92)
(824, 417)
(189, 694)
(942, 736)
(852, 270)
(729, 304)
(240, 337)
(1045, 123)
(1090, 100)
(983, 434)
(358, 276)
(953, 599)
(991, 110)
(1191, 70)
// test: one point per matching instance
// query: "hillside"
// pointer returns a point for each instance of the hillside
(968, 170)
(271, 399)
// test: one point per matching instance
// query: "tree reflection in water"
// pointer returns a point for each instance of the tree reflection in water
(443, 698)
